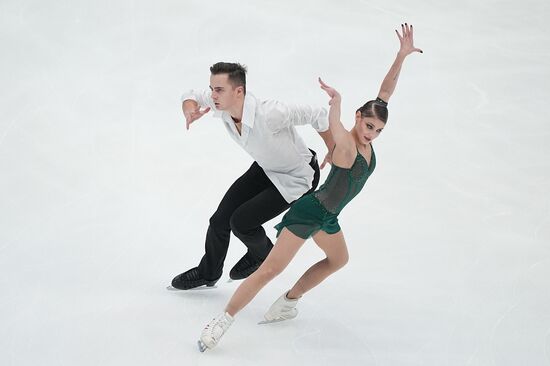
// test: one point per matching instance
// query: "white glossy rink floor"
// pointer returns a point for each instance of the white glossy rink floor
(104, 195)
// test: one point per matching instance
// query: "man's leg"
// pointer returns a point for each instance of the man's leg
(246, 224)
(218, 233)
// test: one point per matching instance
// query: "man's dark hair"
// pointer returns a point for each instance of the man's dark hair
(236, 73)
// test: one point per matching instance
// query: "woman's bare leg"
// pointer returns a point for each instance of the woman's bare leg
(285, 249)
(336, 251)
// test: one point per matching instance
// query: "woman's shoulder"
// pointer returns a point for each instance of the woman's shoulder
(344, 153)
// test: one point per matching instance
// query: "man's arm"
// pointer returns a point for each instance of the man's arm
(192, 101)
(299, 115)
(407, 47)
(282, 116)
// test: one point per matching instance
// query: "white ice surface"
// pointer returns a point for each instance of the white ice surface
(104, 196)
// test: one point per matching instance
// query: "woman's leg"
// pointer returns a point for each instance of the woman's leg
(336, 251)
(285, 249)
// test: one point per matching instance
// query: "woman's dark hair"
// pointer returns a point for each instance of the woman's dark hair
(236, 73)
(375, 108)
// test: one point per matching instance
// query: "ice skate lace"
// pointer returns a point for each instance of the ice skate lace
(288, 310)
(244, 263)
(216, 328)
(192, 275)
(282, 312)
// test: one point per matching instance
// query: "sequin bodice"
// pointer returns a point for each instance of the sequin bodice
(342, 184)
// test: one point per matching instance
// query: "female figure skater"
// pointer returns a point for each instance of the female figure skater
(316, 215)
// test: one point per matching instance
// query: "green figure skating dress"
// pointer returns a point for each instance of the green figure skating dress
(319, 210)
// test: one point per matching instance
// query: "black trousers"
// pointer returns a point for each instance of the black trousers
(251, 201)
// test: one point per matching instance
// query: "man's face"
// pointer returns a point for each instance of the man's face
(223, 94)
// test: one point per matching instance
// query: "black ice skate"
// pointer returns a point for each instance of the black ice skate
(191, 279)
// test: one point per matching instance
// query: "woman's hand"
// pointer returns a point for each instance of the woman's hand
(406, 40)
(332, 93)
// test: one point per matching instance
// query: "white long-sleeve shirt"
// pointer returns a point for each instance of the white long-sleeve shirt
(269, 136)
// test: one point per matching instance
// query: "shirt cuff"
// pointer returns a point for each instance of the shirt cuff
(322, 124)
(188, 96)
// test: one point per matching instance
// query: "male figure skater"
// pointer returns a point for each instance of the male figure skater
(283, 171)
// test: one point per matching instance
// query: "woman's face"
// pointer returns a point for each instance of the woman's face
(368, 128)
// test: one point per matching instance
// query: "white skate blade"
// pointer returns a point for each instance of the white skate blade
(202, 346)
(171, 288)
(271, 321)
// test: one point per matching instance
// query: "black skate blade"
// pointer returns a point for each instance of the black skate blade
(200, 288)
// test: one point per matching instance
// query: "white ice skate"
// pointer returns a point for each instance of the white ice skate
(214, 331)
(282, 309)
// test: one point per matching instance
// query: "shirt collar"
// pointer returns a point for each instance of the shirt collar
(249, 110)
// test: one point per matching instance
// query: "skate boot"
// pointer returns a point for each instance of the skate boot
(244, 267)
(214, 331)
(191, 279)
(282, 309)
